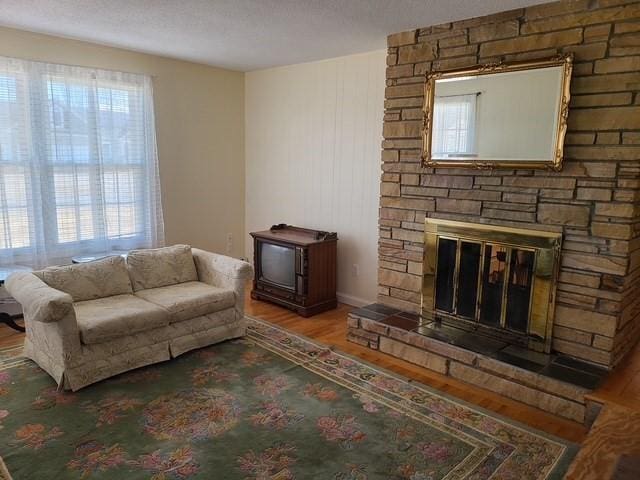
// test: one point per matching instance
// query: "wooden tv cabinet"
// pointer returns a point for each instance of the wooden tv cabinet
(314, 288)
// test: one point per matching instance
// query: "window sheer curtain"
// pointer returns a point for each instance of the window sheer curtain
(454, 120)
(78, 163)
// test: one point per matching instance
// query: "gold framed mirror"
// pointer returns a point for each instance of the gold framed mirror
(499, 115)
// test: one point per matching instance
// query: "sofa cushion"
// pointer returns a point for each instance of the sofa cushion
(189, 300)
(158, 267)
(105, 319)
(90, 280)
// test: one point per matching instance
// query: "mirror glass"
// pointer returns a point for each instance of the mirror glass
(504, 116)
(510, 117)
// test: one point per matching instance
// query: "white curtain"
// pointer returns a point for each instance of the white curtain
(454, 122)
(78, 163)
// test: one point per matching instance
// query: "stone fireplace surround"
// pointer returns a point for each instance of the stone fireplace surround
(594, 201)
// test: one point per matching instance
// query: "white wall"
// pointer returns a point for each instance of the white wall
(313, 137)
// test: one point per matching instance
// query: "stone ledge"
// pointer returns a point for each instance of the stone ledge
(414, 355)
(533, 380)
(536, 398)
(420, 341)
(391, 332)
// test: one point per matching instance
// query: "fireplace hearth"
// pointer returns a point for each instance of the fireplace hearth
(553, 382)
(486, 317)
(499, 281)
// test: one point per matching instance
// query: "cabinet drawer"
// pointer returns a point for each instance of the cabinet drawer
(277, 291)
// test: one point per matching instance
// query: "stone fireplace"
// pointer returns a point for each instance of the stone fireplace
(593, 205)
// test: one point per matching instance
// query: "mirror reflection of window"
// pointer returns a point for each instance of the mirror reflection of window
(454, 125)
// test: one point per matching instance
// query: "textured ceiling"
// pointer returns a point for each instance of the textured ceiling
(241, 34)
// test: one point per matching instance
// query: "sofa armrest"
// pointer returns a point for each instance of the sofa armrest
(224, 272)
(220, 267)
(53, 337)
(39, 301)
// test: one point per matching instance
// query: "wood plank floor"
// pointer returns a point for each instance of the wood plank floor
(622, 387)
(9, 337)
(615, 433)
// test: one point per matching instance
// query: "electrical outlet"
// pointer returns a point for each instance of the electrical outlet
(355, 270)
(229, 243)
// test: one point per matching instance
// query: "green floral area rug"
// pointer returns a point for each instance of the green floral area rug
(270, 406)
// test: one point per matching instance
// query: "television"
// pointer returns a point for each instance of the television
(277, 265)
(295, 268)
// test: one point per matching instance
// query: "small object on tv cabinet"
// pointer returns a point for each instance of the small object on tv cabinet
(295, 268)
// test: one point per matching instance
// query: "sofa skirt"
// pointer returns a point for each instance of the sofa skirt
(182, 337)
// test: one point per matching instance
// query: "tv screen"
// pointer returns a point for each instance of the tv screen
(277, 265)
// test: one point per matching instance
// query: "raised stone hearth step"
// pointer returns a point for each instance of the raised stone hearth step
(554, 383)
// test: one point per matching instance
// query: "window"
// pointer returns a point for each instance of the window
(454, 122)
(7, 89)
(78, 163)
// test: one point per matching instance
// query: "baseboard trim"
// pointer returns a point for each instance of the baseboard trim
(353, 301)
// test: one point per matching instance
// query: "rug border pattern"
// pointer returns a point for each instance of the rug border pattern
(527, 434)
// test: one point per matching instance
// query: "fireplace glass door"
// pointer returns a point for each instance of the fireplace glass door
(519, 289)
(483, 282)
(496, 280)
(495, 262)
(447, 260)
(467, 301)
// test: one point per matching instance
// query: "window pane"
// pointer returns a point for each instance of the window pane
(113, 100)
(122, 188)
(74, 223)
(8, 91)
(13, 120)
(64, 191)
(69, 122)
(15, 231)
(75, 219)
(121, 220)
(85, 214)
(67, 224)
(14, 228)
(121, 119)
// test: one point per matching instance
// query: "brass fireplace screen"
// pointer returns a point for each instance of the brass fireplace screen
(498, 279)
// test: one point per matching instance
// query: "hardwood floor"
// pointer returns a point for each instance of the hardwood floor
(622, 387)
(9, 337)
(615, 434)
(330, 328)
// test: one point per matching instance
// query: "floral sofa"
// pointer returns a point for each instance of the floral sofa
(90, 321)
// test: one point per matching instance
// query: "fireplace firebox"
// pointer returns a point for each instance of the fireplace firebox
(499, 281)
